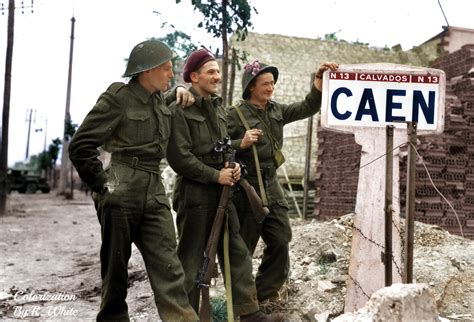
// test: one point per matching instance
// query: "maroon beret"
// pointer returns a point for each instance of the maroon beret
(195, 61)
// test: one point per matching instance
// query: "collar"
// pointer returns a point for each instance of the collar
(216, 100)
(270, 105)
(140, 91)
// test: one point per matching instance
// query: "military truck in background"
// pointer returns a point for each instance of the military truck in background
(26, 181)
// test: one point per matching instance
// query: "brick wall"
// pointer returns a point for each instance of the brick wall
(337, 174)
(449, 158)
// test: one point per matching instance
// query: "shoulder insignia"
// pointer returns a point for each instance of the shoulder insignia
(102, 105)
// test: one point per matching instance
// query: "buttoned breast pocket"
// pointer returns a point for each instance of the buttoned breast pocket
(198, 129)
(138, 126)
(222, 125)
(276, 120)
(255, 124)
(165, 123)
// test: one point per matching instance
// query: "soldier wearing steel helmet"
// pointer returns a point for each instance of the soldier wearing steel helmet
(256, 129)
(132, 122)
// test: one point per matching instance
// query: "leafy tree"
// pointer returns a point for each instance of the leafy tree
(331, 36)
(179, 42)
(43, 162)
(53, 151)
(220, 18)
(70, 128)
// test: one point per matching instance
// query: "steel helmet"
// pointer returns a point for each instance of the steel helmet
(251, 71)
(147, 55)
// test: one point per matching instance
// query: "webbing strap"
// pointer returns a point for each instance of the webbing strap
(228, 281)
(255, 157)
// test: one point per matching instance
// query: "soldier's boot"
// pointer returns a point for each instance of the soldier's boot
(259, 316)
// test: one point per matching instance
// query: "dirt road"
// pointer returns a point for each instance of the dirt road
(50, 269)
(50, 261)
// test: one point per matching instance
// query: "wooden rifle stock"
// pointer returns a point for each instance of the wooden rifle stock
(256, 203)
(206, 272)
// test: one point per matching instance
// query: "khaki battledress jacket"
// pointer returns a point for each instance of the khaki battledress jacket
(271, 122)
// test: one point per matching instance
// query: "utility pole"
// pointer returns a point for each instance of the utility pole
(6, 103)
(28, 120)
(6, 109)
(65, 164)
(45, 134)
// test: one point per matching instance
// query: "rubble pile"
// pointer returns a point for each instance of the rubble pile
(320, 253)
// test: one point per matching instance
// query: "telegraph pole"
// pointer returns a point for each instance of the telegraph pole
(67, 121)
(45, 134)
(6, 103)
(6, 109)
(28, 120)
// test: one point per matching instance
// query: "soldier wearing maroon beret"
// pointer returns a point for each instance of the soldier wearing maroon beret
(201, 176)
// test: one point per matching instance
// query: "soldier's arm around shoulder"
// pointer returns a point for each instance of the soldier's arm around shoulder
(179, 94)
(97, 127)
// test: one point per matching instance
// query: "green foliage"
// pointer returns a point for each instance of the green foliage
(69, 128)
(44, 160)
(53, 150)
(331, 36)
(238, 14)
(180, 43)
(360, 43)
(219, 309)
(240, 56)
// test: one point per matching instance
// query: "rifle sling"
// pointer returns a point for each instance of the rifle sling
(255, 157)
(228, 280)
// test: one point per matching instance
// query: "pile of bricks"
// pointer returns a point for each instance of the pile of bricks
(449, 158)
(337, 174)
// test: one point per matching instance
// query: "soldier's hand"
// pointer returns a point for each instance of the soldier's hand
(229, 176)
(184, 97)
(318, 79)
(250, 137)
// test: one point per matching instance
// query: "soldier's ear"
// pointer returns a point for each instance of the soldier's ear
(194, 76)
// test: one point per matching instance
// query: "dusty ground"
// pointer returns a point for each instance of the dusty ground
(50, 265)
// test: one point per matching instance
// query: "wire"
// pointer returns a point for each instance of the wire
(429, 176)
(431, 180)
(447, 23)
(379, 157)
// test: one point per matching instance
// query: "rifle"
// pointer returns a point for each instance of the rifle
(261, 212)
(206, 271)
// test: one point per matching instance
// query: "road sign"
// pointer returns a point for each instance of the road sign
(376, 95)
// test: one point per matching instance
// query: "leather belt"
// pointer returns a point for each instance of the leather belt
(266, 171)
(148, 165)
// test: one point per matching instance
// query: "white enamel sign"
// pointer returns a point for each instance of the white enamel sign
(377, 95)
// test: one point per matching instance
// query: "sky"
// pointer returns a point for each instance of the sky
(107, 30)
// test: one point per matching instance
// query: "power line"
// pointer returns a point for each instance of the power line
(447, 23)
